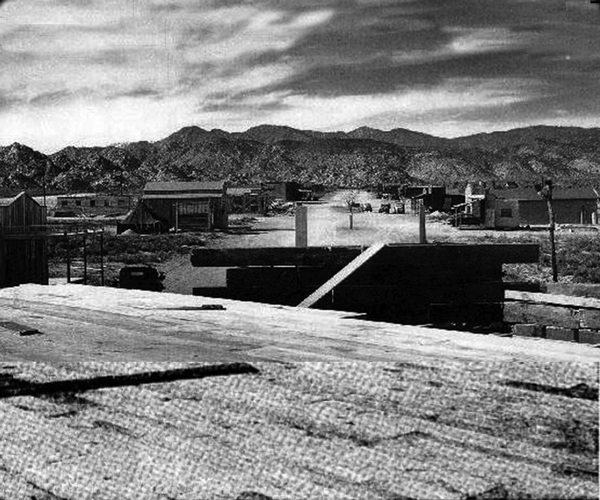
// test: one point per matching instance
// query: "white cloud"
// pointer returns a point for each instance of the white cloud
(87, 122)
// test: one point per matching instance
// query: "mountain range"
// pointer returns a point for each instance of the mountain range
(362, 157)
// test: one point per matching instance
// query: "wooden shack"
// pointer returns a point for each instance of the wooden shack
(188, 206)
(23, 248)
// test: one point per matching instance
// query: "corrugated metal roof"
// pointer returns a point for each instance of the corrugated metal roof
(184, 186)
(530, 194)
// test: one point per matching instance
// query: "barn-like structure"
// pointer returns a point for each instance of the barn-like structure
(23, 241)
(188, 206)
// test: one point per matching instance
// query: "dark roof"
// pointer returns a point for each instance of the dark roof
(181, 196)
(530, 194)
(169, 187)
(141, 215)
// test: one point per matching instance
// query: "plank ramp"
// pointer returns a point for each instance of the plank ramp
(341, 275)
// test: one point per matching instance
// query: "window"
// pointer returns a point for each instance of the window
(64, 203)
(506, 212)
(78, 203)
(92, 203)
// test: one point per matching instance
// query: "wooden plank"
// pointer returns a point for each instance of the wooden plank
(21, 388)
(418, 273)
(340, 276)
(301, 226)
(573, 289)
(589, 318)
(397, 295)
(273, 256)
(546, 298)
(250, 277)
(455, 252)
(542, 314)
(392, 254)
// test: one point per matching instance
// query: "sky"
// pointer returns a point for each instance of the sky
(98, 72)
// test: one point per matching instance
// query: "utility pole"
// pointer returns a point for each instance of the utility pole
(545, 191)
(422, 231)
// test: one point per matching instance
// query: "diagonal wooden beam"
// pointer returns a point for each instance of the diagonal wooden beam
(341, 275)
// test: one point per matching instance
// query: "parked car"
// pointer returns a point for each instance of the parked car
(141, 278)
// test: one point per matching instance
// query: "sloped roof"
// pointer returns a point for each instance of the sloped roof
(530, 194)
(140, 215)
(4, 202)
(169, 187)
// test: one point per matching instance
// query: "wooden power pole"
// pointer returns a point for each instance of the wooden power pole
(545, 191)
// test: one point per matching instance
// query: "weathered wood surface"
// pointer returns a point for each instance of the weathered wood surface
(543, 314)
(341, 275)
(422, 429)
(550, 298)
(392, 253)
(434, 417)
(81, 323)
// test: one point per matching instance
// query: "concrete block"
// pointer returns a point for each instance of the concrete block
(560, 333)
(527, 330)
(589, 336)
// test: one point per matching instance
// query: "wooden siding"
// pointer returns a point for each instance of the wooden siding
(23, 249)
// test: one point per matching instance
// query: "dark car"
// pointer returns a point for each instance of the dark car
(141, 278)
(385, 208)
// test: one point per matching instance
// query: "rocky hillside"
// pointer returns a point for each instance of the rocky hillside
(364, 156)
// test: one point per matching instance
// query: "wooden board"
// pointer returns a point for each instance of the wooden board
(392, 254)
(341, 275)
(543, 314)
(547, 298)
(80, 323)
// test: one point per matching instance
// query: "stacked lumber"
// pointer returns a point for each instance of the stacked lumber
(553, 316)
(411, 284)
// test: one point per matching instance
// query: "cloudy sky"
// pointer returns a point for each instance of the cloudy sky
(94, 72)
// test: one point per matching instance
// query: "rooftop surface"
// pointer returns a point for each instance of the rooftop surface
(168, 186)
(341, 408)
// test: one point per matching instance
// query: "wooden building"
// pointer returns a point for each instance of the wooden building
(433, 197)
(247, 200)
(188, 206)
(91, 204)
(524, 207)
(23, 248)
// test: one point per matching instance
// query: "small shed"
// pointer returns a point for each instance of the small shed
(141, 220)
(23, 241)
(189, 206)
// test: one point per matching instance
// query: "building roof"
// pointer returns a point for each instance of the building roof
(181, 196)
(169, 187)
(530, 194)
(238, 191)
(5, 202)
